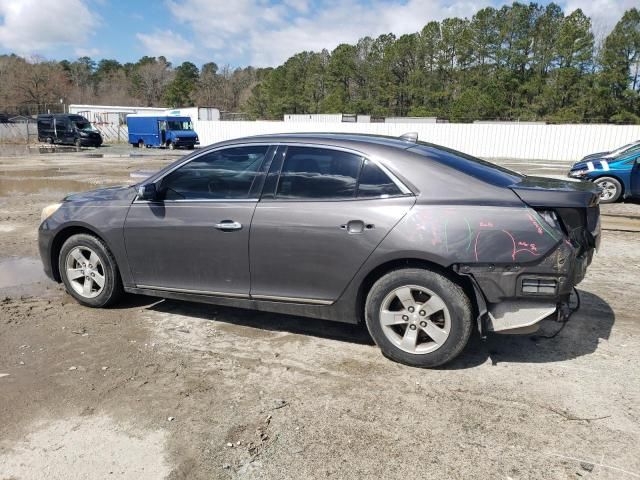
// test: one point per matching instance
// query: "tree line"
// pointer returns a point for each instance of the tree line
(35, 85)
(520, 62)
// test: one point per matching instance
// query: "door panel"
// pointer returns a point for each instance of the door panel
(195, 235)
(179, 245)
(635, 179)
(311, 250)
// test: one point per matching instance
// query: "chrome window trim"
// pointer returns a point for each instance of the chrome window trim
(197, 200)
(403, 188)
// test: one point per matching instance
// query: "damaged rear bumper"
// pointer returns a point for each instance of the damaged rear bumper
(515, 298)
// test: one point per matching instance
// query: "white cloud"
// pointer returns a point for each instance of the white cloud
(604, 13)
(264, 34)
(32, 26)
(87, 52)
(165, 42)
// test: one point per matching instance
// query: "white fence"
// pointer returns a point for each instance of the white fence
(544, 142)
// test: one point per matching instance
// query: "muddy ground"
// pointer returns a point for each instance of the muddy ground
(166, 389)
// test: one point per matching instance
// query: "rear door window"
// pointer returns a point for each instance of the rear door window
(318, 173)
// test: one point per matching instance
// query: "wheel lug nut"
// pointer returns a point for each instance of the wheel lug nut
(411, 309)
(412, 327)
(423, 324)
(405, 318)
(423, 313)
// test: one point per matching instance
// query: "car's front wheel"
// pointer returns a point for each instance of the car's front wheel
(89, 271)
(418, 317)
(610, 189)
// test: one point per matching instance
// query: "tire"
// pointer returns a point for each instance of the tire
(171, 146)
(49, 140)
(190, 147)
(135, 145)
(140, 144)
(451, 315)
(611, 189)
(103, 265)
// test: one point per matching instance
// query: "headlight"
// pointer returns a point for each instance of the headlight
(49, 210)
(578, 173)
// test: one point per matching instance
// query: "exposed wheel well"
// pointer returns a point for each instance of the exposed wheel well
(385, 268)
(59, 240)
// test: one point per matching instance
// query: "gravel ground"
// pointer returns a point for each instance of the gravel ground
(164, 389)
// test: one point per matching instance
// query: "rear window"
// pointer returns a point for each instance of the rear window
(480, 169)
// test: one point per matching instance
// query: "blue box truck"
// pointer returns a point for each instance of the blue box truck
(161, 131)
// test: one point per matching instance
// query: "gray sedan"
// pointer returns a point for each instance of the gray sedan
(420, 242)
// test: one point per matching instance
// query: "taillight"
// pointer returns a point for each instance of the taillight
(551, 218)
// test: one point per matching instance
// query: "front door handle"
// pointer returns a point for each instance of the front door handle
(228, 225)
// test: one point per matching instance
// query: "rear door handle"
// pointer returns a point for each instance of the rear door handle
(228, 225)
(356, 226)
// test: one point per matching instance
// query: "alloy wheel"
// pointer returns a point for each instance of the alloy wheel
(85, 272)
(608, 190)
(415, 319)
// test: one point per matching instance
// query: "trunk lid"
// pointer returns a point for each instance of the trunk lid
(556, 193)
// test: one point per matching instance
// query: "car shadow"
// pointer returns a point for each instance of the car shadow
(277, 322)
(580, 336)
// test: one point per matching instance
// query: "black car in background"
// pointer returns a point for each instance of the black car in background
(68, 130)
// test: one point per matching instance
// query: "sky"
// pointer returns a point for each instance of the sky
(234, 32)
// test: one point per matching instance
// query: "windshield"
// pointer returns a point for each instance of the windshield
(84, 126)
(179, 125)
(481, 169)
(626, 150)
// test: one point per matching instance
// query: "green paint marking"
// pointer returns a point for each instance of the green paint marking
(541, 222)
(446, 239)
(470, 234)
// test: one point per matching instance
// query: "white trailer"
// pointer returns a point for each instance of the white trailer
(196, 113)
(112, 116)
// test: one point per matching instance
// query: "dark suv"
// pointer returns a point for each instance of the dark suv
(420, 242)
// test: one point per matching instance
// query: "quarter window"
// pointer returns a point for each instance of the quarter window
(375, 183)
(223, 174)
(318, 173)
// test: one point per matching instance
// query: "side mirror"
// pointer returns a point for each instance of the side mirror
(147, 191)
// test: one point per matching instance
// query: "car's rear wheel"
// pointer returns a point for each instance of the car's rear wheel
(171, 145)
(140, 144)
(418, 317)
(610, 189)
(89, 271)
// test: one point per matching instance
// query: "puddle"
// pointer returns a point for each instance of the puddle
(41, 185)
(142, 173)
(43, 172)
(20, 271)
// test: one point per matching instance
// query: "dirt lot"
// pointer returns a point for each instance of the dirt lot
(166, 389)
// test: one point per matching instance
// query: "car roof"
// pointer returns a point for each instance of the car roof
(338, 139)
